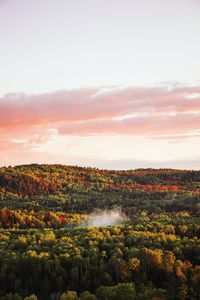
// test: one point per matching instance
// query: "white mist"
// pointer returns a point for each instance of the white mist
(105, 218)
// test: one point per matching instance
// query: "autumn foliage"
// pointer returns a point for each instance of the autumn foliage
(48, 250)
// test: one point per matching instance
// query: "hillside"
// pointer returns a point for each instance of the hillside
(79, 189)
(150, 251)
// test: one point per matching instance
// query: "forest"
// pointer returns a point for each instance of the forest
(49, 249)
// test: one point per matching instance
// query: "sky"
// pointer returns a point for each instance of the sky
(109, 84)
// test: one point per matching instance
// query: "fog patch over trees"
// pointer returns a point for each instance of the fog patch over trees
(106, 217)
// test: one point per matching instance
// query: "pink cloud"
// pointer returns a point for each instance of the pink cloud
(88, 111)
(145, 125)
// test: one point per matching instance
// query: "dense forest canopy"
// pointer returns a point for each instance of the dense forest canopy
(49, 250)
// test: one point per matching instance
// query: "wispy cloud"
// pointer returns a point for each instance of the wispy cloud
(90, 111)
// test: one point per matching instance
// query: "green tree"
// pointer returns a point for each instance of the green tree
(87, 296)
(125, 291)
(31, 297)
(70, 295)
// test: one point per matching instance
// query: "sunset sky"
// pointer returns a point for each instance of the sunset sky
(104, 83)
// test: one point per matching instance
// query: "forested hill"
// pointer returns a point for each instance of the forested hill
(50, 250)
(78, 189)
